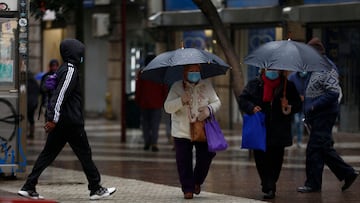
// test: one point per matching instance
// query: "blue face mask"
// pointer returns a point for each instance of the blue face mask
(302, 74)
(194, 77)
(271, 74)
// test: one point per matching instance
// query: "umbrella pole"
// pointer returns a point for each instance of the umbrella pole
(285, 107)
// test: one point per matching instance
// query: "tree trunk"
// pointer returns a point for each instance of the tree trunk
(210, 12)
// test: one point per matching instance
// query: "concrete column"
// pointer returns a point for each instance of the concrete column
(35, 39)
(115, 61)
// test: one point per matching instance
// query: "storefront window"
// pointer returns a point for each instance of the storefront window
(342, 46)
(256, 38)
(134, 66)
(200, 39)
(7, 52)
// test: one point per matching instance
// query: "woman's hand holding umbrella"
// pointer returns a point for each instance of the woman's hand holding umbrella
(285, 107)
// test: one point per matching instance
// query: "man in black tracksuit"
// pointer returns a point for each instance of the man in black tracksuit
(65, 124)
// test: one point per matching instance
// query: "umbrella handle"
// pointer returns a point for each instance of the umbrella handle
(285, 107)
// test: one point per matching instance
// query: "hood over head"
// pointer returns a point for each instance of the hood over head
(72, 51)
(53, 62)
(316, 43)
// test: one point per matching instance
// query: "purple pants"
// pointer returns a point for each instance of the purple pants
(189, 175)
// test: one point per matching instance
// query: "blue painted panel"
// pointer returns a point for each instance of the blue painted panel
(88, 3)
(176, 5)
(194, 39)
(258, 37)
(247, 3)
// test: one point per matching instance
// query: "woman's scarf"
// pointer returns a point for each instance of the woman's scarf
(269, 87)
(191, 88)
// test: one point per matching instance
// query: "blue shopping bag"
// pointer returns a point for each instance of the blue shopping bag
(254, 132)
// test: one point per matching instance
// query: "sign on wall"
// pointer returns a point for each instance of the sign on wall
(258, 37)
(195, 39)
(8, 5)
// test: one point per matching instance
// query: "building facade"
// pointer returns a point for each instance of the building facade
(116, 51)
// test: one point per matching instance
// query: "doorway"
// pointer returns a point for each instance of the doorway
(51, 44)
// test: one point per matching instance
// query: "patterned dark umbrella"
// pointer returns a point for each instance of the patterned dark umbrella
(168, 67)
(287, 55)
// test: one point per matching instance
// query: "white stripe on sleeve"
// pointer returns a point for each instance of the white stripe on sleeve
(64, 87)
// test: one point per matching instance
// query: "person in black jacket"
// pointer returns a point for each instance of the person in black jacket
(265, 94)
(45, 93)
(65, 124)
(32, 92)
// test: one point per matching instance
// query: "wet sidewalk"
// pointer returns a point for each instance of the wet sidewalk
(64, 185)
(146, 176)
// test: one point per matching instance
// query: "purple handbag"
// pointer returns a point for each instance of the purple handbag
(215, 138)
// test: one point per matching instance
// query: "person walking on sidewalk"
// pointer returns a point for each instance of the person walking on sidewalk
(321, 110)
(265, 94)
(150, 97)
(190, 100)
(65, 124)
(299, 80)
(45, 93)
(32, 93)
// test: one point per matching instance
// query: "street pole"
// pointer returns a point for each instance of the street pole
(79, 35)
(123, 71)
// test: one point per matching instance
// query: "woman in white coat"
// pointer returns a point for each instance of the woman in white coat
(188, 101)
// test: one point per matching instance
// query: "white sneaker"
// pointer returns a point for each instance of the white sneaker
(102, 192)
(32, 194)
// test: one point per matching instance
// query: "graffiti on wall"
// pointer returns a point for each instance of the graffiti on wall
(8, 133)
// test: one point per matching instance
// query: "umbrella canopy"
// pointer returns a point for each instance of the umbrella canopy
(287, 55)
(168, 67)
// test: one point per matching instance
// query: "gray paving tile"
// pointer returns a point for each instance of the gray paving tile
(67, 186)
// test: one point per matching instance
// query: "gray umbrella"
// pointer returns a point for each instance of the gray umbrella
(168, 67)
(287, 55)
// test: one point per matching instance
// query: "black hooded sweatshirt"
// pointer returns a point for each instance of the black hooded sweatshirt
(66, 102)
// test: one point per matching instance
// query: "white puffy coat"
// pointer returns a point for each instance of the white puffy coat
(203, 94)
